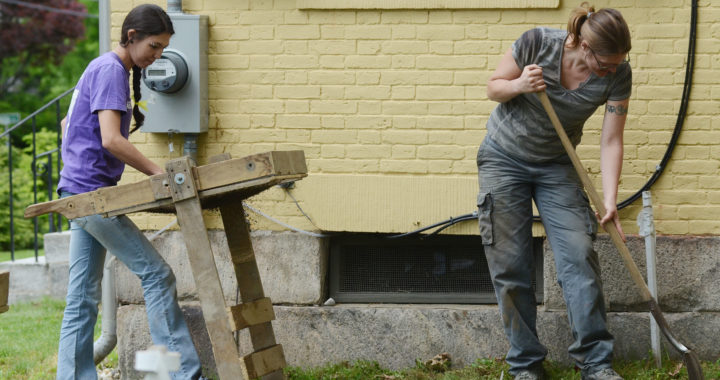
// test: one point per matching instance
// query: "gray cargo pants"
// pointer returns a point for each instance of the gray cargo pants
(507, 188)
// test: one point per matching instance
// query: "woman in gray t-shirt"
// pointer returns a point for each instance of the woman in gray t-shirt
(522, 159)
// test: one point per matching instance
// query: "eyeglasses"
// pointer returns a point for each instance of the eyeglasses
(608, 66)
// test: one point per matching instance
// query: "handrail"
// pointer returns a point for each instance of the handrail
(43, 108)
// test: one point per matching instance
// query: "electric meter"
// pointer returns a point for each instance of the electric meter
(167, 74)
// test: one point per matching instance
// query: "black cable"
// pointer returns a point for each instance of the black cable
(681, 113)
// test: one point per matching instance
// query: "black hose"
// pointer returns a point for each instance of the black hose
(681, 113)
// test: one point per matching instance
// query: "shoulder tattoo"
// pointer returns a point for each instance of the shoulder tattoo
(619, 110)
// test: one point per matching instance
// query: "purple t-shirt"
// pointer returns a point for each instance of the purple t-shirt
(88, 166)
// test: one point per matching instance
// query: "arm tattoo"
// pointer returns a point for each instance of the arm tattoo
(620, 110)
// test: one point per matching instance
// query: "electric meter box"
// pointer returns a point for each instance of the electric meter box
(175, 86)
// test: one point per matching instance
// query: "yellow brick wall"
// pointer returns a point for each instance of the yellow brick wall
(390, 106)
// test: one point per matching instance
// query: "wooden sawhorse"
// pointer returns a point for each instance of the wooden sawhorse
(186, 189)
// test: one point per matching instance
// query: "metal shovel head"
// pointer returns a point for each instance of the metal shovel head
(692, 363)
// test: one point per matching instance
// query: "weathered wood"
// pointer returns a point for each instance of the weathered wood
(204, 272)
(154, 192)
(251, 313)
(4, 290)
(264, 362)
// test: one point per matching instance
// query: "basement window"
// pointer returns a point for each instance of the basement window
(369, 268)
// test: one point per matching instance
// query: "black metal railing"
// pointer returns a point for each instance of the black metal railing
(42, 166)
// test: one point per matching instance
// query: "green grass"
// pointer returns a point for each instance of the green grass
(20, 254)
(492, 369)
(29, 334)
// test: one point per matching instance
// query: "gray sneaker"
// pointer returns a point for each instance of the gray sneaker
(530, 375)
(603, 374)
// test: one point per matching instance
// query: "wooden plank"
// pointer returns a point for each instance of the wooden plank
(206, 278)
(182, 178)
(251, 313)
(264, 362)
(151, 192)
(4, 287)
(4, 308)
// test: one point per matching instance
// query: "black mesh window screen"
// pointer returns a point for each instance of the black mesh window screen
(439, 269)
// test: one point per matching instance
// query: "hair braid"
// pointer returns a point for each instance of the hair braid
(137, 115)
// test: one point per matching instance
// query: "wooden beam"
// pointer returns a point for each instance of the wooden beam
(4, 290)
(154, 192)
(264, 362)
(202, 264)
(251, 313)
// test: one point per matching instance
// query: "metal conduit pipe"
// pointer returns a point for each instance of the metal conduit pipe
(108, 338)
(174, 6)
(190, 146)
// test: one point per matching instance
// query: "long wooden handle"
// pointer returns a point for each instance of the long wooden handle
(596, 199)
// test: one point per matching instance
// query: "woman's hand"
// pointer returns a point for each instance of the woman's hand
(531, 80)
(611, 215)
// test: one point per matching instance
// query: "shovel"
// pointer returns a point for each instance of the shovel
(689, 358)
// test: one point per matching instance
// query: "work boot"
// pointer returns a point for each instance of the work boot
(531, 374)
(603, 374)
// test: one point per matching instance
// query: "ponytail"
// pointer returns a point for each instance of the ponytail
(137, 115)
(605, 31)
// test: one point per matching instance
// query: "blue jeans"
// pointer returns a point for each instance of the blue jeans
(507, 188)
(89, 237)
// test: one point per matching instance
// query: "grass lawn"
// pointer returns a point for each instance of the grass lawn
(20, 254)
(29, 335)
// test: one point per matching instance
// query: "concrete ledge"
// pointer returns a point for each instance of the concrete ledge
(292, 267)
(396, 335)
(30, 280)
(688, 271)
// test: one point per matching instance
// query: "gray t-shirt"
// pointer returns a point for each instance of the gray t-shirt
(521, 127)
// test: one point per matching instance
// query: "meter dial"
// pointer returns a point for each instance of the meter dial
(167, 74)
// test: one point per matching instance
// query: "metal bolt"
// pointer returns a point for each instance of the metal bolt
(179, 178)
(250, 166)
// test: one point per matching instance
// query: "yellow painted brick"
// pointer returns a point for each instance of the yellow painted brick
(477, 32)
(402, 32)
(343, 166)
(260, 47)
(404, 166)
(228, 33)
(226, 19)
(450, 62)
(403, 62)
(704, 107)
(228, 92)
(660, 31)
(403, 92)
(476, 17)
(367, 32)
(232, 122)
(367, 151)
(367, 62)
(403, 152)
(331, 77)
(296, 61)
(331, 17)
(296, 77)
(368, 77)
(332, 151)
(660, 107)
(368, 17)
(334, 136)
(369, 137)
(262, 121)
(368, 47)
(681, 181)
(333, 107)
(260, 106)
(369, 107)
(440, 108)
(226, 47)
(704, 212)
(440, 16)
(404, 108)
(261, 17)
(470, 77)
(440, 93)
(263, 135)
(404, 77)
(297, 92)
(296, 16)
(439, 152)
(393, 136)
(506, 32)
(440, 166)
(332, 92)
(514, 16)
(441, 47)
(261, 91)
(440, 32)
(297, 106)
(464, 167)
(262, 32)
(659, 92)
(311, 151)
(332, 61)
(332, 32)
(441, 137)
(670, 227)
(369, 122)
(476, 47)
(332, 47)
(404, 47)
(404, 17)
(332, 122)
(367, 92)
(298, 121)
(228, 61)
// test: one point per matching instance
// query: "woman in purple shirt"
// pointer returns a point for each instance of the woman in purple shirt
(95, 150)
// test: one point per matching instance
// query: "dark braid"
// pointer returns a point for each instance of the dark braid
(137, 115)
